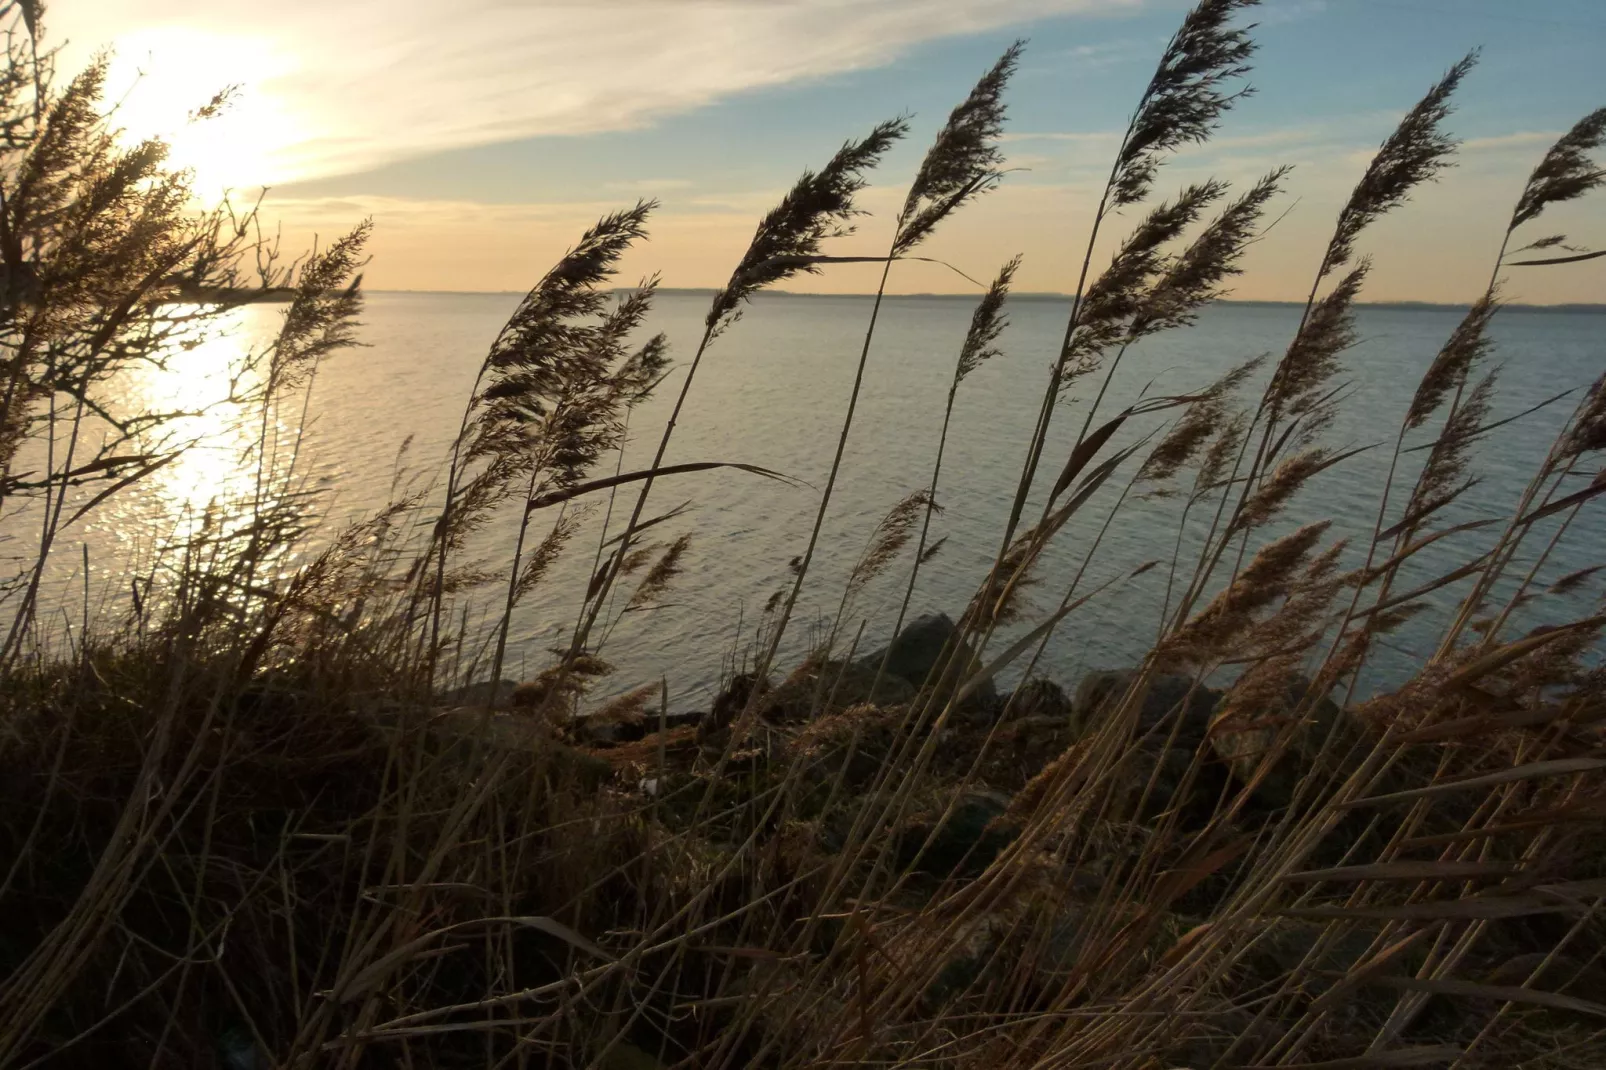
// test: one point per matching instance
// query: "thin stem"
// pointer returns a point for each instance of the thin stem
(830, 482)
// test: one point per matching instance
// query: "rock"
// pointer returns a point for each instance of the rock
(457, 734)
(607, 732)
(1241, 739)
(835, 685)
(1042, 698)
(1315, 954)
(1167, 693)
(919, 648)
(964, 844)
(728, 704)
(237, 1049)
(479, 693)
(623, 1055)
(1559, 972)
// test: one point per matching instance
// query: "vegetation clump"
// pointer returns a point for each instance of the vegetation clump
(284, 814)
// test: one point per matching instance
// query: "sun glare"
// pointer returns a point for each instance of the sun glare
(195, 382)
(159, 77)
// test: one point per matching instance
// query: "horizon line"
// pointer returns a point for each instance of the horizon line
(1030, 295)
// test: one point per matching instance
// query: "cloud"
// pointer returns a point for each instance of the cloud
(1522, 139)
(333, 88)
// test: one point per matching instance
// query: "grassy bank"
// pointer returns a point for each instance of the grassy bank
(282, 812)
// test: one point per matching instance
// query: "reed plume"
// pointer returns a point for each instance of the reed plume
(547, 552)
(1272, 494)
(322, 317)
(888, 539)
(1443, 477)
(819, 206)
(1567, 171)
(964, 161)
(1415, 153)
(548, 371)
(1467, 344)
(1120, 293)
(1220, 455)
(1300, 381)
(1267, 578)
(1572, 581)
(660, 575)
(1206, 416)
(987, 322)
(557, 383)
(1197, 275)
(1588, 431)
(1185, 98)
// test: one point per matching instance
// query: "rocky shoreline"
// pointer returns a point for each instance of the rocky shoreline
(1113, 875)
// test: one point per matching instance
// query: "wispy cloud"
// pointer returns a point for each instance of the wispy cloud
(337, 87)
(1522, 139)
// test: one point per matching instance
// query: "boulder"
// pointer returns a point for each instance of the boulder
(827, 687)
(479, 693)
(460, 735)
(1040, 697)
(1242, 738)
(728, 704)
(606, 731)
(964, 843)
(916, 652)
(1168, 693)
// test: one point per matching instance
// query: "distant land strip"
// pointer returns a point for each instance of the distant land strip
(1407, 306)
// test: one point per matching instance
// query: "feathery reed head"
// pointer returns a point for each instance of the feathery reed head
(986, 323)
(818, 207)
(889, 539)
(660, 575)
(1269, 577)
(1280, 485)
(546, 552)
(559, 378)
(1186, 97)
(322, 316)
(964, 161)
(1443, 475)
(1574, 580)
(1567, 171)
(1312, 358)
(1195, 277)
(571, 289)
(1588, 432)
(1220, 455)
(1106, 313)
(1467, 344)
(1203, 418)
(1416, 152)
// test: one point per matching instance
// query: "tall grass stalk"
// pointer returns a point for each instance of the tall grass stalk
(251, 827)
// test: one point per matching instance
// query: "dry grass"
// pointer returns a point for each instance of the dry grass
(255, 825)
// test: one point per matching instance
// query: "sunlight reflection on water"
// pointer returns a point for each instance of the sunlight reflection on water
(216, 433)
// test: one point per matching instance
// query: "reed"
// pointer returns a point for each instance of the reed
(255, 821)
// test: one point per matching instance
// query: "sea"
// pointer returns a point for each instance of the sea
(772, 393)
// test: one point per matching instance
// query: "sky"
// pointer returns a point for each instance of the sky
(483, 136)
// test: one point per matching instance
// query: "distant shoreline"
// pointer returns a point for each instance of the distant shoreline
(1404, 306)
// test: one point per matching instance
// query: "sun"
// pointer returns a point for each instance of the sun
(159, 77)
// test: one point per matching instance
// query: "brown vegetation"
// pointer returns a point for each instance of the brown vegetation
(268, 821)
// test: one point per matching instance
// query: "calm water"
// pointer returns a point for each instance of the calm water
(772, 392)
